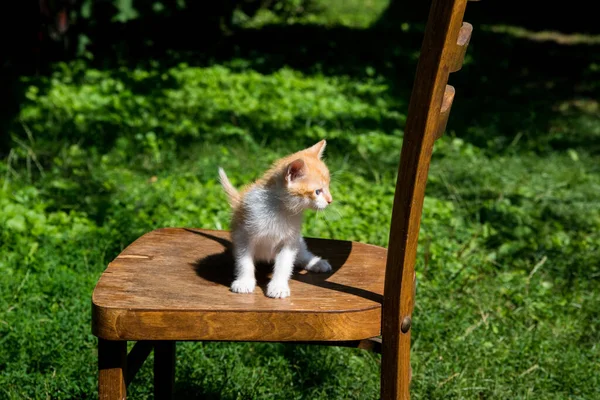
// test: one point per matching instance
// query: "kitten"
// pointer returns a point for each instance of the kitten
(267, 218)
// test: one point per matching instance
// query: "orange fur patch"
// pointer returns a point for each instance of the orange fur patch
(315, 175)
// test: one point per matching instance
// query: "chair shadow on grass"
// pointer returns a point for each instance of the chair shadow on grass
(219, 268)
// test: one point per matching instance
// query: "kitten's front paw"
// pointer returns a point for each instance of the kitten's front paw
(243, 286)
(278, 290)
(319, 266)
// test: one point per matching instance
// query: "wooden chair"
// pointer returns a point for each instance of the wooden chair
(173, 284)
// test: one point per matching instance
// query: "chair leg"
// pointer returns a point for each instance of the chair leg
(164, 369)
(396, 371)
(112, 369)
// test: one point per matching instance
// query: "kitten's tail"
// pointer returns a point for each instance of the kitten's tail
(232, 194)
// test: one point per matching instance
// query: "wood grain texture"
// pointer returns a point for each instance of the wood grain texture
(164, 370)
(422, 126)
(112, 369)
(173, 284)
(414, 291)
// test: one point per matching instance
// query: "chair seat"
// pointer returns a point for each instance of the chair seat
(173, 284)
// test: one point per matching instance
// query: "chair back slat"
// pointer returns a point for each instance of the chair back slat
(428, 111)
(464, 36)
(445, 110)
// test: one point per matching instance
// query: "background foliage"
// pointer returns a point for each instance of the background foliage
(105, 147)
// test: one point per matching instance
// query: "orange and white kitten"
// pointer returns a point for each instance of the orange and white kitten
(267, 218)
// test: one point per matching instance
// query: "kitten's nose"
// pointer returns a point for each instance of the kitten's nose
(329, 199)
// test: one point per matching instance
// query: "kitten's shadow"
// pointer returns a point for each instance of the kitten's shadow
(219, 268)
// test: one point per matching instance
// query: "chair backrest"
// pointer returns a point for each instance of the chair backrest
(442, 52)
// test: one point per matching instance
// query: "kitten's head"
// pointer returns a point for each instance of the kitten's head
(306, 178)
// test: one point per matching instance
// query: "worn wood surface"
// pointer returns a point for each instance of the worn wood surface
(112, 369)
(437, 59)
(173, 284)
(164, 370)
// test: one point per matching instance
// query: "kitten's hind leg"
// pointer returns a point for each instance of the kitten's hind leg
(279, 286)
(245, 280)
(311, 262)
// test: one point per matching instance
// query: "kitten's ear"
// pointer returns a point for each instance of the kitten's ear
(295, 170)
(318, 148)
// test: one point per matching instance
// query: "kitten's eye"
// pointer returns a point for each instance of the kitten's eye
(318, 191)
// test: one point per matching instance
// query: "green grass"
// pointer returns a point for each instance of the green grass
(508, 268)
(350, 13)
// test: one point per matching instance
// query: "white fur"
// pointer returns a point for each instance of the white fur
(282, 271)
(320, 202)
(271, 232)
(310, 262)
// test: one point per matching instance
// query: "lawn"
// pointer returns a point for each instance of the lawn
(508, 270)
